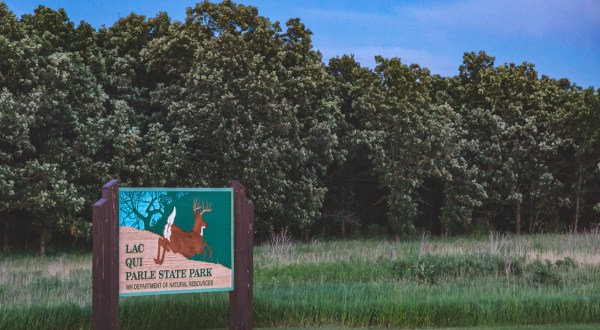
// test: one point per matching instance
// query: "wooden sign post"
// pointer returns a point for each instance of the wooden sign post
(240, 299)
(150, 241)
(105, 260)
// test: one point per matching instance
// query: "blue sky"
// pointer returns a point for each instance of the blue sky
(561, 37)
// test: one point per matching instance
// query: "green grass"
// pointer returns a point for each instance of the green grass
(518, 327)
(497, 281)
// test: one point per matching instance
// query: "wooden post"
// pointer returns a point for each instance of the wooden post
(105, 261)
(240, 299)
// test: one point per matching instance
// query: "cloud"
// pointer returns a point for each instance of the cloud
(437, 63)
(579, 19)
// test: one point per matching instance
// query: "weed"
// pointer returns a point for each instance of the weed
(425, 270)
(543, 273)
(566, 264)
(281, 245)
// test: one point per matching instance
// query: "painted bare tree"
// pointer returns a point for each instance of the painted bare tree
(143, 207)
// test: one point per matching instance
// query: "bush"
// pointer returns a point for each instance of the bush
(542, 273)
(375, 231)
(432, 268)
(566, 264)
(546, 273)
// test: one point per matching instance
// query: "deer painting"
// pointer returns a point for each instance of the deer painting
(187, 243)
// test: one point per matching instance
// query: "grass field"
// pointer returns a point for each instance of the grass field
(516, 327)
(428, 282)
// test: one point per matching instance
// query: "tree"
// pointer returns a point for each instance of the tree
(15, 121)
(353, 193)
(508, 119)
(66, 105)
(246, 101)
(412, 138)
(578, 122)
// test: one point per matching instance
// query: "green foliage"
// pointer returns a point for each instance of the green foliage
(548, 273)
(431, 269)
(251, 103)
(338, 149)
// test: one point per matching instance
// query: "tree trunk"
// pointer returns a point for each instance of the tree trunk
(531, 223)
(578, 198)
(396, 238)
(343, 228)
(27, 239)
(43, 238)
(430, 225)
(531, 219)
(518, 219)
(5, 239)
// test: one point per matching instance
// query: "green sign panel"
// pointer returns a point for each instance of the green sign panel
(175, 240)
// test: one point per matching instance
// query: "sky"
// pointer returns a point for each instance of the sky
(561, 37)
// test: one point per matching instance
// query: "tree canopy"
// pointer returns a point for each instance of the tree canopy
(330, 149)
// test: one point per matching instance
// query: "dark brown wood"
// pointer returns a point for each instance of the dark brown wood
(240, 299)
(99, 280)
(105, 260)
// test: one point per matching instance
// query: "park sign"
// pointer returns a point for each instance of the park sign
(175, 240)
(172, 240)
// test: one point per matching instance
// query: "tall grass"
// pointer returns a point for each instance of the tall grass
(44, 282)
(423, 282)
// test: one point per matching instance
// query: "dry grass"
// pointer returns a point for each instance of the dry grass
(584, 248)
(35, 280)
(317, 283)
(45, 281)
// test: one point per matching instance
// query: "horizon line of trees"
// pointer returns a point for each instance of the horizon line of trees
(332, 149)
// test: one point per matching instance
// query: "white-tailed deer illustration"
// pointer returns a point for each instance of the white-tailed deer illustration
(187, 243)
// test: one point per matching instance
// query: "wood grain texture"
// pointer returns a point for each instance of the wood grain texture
(105, 271)
(241, 299)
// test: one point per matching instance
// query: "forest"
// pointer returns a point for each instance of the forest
(327, 150)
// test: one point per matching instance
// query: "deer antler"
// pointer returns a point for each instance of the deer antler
(201, 208)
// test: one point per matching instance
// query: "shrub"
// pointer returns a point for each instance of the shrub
(431, 268)
(566, 264)
(543, 273)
